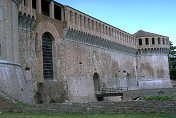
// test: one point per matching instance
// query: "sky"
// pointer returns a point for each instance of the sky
(156, 16)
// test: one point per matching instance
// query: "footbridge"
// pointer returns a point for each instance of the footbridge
(109, 92)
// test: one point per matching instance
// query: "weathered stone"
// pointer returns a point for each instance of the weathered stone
(80, 47)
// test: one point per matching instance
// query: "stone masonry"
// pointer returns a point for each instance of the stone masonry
(51, 52)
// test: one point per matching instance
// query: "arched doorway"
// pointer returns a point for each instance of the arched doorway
(96, 82)
(47, 56)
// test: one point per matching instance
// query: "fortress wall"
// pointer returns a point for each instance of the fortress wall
(159, 42)
(153, 71)
(12, 81)
(92, 26)
(115, 69)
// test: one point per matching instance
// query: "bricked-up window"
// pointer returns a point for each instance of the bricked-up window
(71, 20)
(57, 12)
(34, 4)
(146, 41)
(80, 19)
(76, 20)
(140, 41)
(47, 57)
(153, 41)
(84, 21)
(45, 7)
(92, 25)
(159, 41)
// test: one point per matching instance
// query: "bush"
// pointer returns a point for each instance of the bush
(162, 97)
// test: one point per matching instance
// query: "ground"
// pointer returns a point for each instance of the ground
(77, 115)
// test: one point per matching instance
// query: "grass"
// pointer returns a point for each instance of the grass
(79, 115)
(161, 97)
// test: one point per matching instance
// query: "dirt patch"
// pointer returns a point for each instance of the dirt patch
(6, 105)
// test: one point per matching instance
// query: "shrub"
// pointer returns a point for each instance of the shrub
(162, 97)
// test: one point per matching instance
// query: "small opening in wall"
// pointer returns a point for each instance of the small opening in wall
(27, 69)
(45, 7)
(57, 12)
(124, 71)
(159, 41)
(34, 4)
(100, 99)
(146, 41)
(140, 41)
(80, 63)
(163, 41)
(153, 41)
(24, 2)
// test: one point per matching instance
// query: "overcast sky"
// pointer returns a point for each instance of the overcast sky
(156, 16)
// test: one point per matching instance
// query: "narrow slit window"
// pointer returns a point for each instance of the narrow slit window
(24, 2)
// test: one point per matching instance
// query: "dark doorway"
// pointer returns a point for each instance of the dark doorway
(47, 57)
(96, 82)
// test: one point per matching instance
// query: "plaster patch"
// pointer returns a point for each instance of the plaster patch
(1, 13)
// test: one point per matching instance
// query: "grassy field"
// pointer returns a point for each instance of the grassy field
(77, 115)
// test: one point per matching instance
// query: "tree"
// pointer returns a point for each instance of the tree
(172, 61)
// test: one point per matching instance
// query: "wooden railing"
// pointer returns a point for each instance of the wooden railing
(114, 90)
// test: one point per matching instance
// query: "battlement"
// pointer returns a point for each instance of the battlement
(151, 41)
(77, 21)
(84, 23)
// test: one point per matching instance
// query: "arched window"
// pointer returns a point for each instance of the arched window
(47, 57)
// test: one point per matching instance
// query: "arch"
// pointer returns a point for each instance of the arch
(52, 31)
(47, 48)
(96, 80)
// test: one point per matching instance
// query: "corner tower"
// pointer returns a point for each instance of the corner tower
(11, 76)
(152, 60)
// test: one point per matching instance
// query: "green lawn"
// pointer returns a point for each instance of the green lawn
(77, 115)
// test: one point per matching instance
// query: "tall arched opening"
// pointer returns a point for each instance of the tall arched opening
(96, 82)
(47, 46)
(97, 86)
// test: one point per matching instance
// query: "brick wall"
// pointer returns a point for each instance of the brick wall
(108, 107)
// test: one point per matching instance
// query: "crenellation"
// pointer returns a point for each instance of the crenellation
(100, 28)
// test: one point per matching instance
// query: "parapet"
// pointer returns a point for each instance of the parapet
(82, 22)
(150, 42)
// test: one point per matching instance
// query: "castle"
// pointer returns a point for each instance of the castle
(50, 52)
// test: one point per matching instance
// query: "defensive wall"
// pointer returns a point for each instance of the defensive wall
(61, 54)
